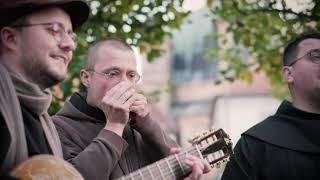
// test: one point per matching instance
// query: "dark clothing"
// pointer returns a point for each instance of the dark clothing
(101, 154)
(284, 146)
(36, 140)
(5, 139)
(25, 126)
(35, 137)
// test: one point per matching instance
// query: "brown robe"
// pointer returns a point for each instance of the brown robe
(101, 154)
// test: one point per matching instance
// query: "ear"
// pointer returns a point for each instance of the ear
(8, 37)
(287, 74)
(85, 78)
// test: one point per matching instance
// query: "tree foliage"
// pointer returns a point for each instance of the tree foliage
(260, 28)
(141, 23)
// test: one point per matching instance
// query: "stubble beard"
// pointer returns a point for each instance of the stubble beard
(41, 74)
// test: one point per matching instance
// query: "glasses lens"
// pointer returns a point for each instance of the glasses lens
(136, 78)
(59, 28)
(74, 39)
(315, 56)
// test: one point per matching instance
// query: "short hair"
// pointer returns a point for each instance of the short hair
(90, 59)
(290, 52)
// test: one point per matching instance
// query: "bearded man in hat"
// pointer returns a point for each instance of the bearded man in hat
(37, 40)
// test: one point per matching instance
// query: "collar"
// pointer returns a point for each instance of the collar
(289, 128)
(287, 109)
(78, 100)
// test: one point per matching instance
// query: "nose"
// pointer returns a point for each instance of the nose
(124, 77)
(67, 44)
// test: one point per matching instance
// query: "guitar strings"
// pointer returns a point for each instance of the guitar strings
(159, 169)
(171, 172)
(176, 170)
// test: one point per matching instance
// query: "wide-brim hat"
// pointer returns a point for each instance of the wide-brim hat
(11, 10)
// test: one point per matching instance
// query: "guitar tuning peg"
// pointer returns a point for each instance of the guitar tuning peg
(226, 159)
(218, 164)
(201, 134)
(204, 133)
(194, 140)
(227, 140)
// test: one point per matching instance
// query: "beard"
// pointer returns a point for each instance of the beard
(40, 73)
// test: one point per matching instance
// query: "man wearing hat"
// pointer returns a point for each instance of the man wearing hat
(37, 40)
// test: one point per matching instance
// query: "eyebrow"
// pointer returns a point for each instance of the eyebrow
(117, 68)
(68, 30)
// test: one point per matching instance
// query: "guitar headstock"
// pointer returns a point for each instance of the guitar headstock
(214, 145)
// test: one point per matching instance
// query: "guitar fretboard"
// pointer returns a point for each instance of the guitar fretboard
(170, 168)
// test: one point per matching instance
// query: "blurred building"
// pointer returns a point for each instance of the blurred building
(189, 102)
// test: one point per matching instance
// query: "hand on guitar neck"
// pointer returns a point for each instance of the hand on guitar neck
(211, 147)
(198, 166)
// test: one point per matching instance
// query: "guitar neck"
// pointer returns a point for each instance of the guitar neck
(172, 167)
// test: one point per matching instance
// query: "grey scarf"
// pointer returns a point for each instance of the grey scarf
(14, 90)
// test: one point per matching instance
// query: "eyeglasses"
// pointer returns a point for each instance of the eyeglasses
(56, 29)
(313, 55)
(117, 75)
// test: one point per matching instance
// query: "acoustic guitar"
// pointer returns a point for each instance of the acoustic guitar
(46, 167)
(213, 146)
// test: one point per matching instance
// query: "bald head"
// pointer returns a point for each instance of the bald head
(107, 44)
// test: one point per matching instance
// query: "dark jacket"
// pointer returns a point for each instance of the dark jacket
(285, 146)
(101, 154)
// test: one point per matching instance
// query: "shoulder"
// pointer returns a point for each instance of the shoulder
(251, 151)
(249, 147)
(245, 160)
(60, 121)
(63, 126)
(261, 127)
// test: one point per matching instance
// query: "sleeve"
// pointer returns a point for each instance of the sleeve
(155, 136)
(242, 164)
(105, 151)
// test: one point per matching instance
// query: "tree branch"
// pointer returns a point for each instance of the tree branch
(283, 11)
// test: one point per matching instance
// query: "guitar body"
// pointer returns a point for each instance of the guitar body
(46, 167)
